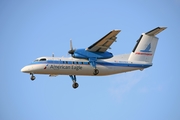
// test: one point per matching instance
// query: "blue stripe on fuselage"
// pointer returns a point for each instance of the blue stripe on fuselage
(115, 64)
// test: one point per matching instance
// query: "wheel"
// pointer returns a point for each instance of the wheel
(96, 71)
(75, 85)
(33, 77)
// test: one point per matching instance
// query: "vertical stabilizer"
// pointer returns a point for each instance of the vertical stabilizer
(146, 46)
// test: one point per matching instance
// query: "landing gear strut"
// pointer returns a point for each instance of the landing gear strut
(96, 71)
(92, 62)
(32, 76)
(75, 84)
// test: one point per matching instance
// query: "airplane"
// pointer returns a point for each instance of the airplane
(95, 60)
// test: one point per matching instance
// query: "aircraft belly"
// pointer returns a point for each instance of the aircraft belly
(124, 69)
(115, 70)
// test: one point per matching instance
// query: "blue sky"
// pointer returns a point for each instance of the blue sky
(34, 28)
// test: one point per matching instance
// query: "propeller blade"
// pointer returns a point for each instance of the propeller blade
(71, 51)
(71, 46)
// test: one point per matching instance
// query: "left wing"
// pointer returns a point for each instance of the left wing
(104, 43)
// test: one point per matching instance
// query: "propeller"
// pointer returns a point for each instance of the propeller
(71, 51)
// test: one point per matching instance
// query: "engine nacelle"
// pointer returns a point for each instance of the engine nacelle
(84, 54)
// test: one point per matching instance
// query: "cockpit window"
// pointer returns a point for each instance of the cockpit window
(36, 60)
(42, 59)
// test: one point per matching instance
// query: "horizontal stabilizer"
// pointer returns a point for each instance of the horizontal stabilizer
(155, 31)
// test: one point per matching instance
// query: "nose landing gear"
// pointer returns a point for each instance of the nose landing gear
(32, 76)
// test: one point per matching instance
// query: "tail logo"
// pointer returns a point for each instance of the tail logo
(145, 51)
(147, 48)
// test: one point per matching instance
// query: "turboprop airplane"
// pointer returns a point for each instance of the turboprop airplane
(96, 60)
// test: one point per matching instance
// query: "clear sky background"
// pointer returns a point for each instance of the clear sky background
(35, 28)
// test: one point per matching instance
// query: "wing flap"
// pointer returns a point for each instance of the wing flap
(104, 43)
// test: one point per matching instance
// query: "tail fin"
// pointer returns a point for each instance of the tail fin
(146, 46)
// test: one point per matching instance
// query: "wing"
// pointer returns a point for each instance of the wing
(104, 43)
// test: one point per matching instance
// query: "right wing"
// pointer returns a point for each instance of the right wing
(104, 43)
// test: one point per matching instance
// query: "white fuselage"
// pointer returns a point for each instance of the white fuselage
(54, 66)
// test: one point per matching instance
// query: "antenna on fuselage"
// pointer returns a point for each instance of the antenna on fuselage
(52, 54)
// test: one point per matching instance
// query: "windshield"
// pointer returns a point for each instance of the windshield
(36, 60)
(41, 59)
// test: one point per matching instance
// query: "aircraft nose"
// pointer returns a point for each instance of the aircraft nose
(25, 69)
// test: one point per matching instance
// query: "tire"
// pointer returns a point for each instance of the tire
(33, 78)
(75, 85)
(96, 71)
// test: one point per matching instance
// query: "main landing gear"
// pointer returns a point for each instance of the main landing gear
(92, 62)
(75, 84)
(96, 71)
(73, 78)
(32, 76)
